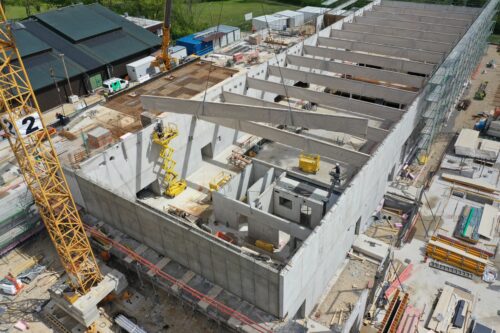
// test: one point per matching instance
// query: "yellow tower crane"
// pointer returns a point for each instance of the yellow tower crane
(22, 122)
(162, 137)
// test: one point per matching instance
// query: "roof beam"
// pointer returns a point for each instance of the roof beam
(421, 19)
(357, 71)
(346, 85)
(399, 24)
(423, 12)
(298, 141)
(430, 7)
(372, 133)
(400, 32)
(377, 48)
(302, 142)
(410, 43)
(398, 65)
(275, 115)
(322, 98)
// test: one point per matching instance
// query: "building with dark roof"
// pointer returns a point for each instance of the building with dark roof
(96, 42)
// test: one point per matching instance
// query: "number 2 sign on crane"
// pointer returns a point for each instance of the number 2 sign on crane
(26, 125)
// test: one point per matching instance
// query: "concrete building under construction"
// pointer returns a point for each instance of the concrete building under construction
(356, 101)
(360, 93)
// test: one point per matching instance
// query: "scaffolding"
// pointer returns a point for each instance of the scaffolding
(171, 182)
(450, 80)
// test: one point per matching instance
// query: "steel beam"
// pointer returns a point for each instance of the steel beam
(420, 19)
(398, 65)
(275, 115)
(410, 43)
(376, 48)
(322, 98)
(400, 32)
(399, 24)
(298, 141)
(346, 85)
(372, 133)
(357, 71)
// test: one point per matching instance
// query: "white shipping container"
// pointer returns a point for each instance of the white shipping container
(142, 69)
(271, 21)
(178, 52)
(295, 19)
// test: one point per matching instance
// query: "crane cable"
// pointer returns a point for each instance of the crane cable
(289, 114)
(211, 64)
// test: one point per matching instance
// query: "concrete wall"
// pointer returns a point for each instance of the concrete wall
(132, 164)
(135, 165)
(309, 271)
(216, 260)
(293, 213)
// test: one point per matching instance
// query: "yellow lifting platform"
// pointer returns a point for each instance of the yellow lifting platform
(162, 137)
(220, 180)
(309, 162)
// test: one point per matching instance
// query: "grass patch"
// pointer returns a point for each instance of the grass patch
(494, 39)
(233, 11)
(16, 12)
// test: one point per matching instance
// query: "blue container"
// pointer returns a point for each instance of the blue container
(195, 46)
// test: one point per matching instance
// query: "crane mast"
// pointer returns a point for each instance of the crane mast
(23, 125)
(164, 57)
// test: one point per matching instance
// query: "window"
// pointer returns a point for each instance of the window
(285, 203)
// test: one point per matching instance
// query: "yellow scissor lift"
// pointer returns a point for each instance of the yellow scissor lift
(163, 137)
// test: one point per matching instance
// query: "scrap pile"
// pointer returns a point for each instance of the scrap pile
(452, 312)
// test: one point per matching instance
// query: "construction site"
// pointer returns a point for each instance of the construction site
(333, 170)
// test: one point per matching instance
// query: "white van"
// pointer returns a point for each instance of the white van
(114, 84)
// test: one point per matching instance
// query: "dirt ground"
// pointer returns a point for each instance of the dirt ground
(424, 281)
(24, 305)
(158, 312)
(464, 119)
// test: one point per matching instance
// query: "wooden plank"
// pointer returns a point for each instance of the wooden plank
(480, 185)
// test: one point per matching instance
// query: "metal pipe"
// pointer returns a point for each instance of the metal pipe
(66, 72)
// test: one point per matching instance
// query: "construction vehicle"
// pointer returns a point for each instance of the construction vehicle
(481, 91)
(114, 85)
(309, 163)
(163, 60)
(218, 181)
(11, 285)
(162, 137)
(21, 120)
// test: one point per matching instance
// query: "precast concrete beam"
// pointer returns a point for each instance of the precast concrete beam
(386, 50)
(345, 85)
(399, 24)
(423, 12)
(398, 65)
(299, 141)
(410, 43)
(372, 133)
(357, 71)
(420, 19)
(429, 7)
(400, 32)
(322, 98)
(276, 115)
